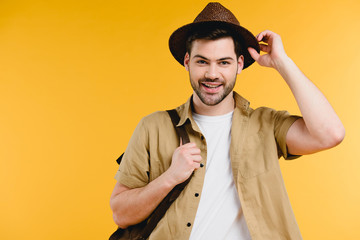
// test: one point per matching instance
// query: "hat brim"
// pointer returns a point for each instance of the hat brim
(177, 40)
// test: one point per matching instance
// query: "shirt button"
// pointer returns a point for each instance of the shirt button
(196, 194)
(188, 224)
(201, 165)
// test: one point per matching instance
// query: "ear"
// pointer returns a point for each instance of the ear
(240, 63)
(186, 61)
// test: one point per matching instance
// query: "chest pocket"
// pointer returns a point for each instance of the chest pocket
(258, 155)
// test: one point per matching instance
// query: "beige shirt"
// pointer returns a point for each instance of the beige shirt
(258, 140)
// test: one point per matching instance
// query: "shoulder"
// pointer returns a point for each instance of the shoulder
(155, 122)
(263, 113)
(269, 117)
(155, 118)
(162, 118)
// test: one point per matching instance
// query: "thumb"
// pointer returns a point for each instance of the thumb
(254, 54)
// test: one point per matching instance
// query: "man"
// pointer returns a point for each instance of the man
(237, 191)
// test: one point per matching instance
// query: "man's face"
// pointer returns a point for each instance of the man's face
(213, 66)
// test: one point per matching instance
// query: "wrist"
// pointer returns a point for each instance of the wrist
(284, 65)
(282, 62)
(168, 180)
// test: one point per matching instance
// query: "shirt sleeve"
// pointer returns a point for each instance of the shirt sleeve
(283, 121)
(134, 168)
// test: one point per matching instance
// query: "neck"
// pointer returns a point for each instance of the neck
(225, 106)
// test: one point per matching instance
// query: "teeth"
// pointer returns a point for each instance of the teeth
(211, 86)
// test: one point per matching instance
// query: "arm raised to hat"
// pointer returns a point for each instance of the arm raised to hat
(320, 128)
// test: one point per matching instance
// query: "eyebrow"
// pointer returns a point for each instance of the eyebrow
(221, 59)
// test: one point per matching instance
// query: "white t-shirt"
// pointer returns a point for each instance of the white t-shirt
(219, 215)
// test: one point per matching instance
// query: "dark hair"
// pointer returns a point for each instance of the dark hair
(208, 32)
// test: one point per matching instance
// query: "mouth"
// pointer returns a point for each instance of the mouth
(211, 87)
(208, 85)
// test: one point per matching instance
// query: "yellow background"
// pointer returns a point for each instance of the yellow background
(77, 76)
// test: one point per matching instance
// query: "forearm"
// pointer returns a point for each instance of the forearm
(320, 118)
(135, 205)
(132, 206)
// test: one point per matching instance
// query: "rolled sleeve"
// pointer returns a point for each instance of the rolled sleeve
(134, 168)
(283, 121)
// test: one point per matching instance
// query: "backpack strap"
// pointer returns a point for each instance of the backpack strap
(179, 130)
(161, 209)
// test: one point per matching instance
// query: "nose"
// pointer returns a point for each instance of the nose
(212, 72)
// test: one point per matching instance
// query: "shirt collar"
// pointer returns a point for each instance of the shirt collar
(185, 110)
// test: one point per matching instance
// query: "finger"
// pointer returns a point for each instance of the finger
(264, 36)
(196, 158)
(264, 39)
(194, 151)
(189, 145)
(196, 165)
(254, 54)
(260, 36)
(189, 152)
(181, 142)
(265, 48)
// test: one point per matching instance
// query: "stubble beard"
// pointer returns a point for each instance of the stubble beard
(212, 101)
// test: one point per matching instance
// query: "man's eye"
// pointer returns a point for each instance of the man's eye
(224, 63)
(201, 62)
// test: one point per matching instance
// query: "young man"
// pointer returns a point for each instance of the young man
(237, 191)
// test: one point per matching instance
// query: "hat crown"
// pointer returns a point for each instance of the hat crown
(214, 11)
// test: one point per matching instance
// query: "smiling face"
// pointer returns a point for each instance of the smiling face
(213, 66)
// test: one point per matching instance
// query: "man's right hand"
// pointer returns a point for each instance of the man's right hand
(185, 160)
(132, 206)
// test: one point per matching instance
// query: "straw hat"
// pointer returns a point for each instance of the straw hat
(214, 14)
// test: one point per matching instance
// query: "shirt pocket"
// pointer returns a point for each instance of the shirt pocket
(256, 156)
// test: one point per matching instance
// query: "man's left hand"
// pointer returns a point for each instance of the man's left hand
(274, 48)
